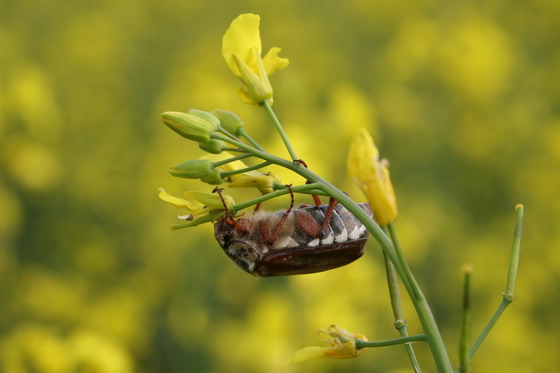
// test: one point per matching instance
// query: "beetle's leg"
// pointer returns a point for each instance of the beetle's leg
(257, 207)
(228, 218)
(283, 219)
(328, 214)
(316, 198)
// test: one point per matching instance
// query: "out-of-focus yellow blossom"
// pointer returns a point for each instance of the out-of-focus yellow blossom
(197, 204)
(241, 48)
(372, 176)
(263, 182)
(341, 345)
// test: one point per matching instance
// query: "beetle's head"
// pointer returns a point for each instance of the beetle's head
(237, 245)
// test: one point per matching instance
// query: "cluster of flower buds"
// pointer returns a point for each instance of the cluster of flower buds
(215, 168)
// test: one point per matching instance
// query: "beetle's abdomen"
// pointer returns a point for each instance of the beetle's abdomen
(303, 244)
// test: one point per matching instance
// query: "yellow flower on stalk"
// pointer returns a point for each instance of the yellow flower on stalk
(341, 344)
(241, 48)
(197, 204)
(372, 176)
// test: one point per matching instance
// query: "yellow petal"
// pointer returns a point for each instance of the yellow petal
(272, 62)
(210, 200)
(241, 38)
(175, 201)
(343, 351)
(372, 177)
(308, 353)
(362, 157)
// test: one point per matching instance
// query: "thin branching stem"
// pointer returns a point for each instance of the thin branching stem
(508, 296)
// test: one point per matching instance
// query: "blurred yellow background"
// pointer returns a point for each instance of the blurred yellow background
(462, 97)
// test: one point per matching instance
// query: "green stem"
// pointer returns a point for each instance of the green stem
(394, 294)
(466, 321)
(390, 342)
(508, 296)
(303, 189)
(246, 169)
(280, 129)
(246, 136)
(421, 305)
(232, 159)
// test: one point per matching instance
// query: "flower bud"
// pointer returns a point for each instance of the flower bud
(213, 146)
(213, 178)
(228, 120)
(209, 117)
(189, 126)
(256, 82)
(193, 169)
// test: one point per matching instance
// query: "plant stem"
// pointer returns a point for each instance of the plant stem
(390, 342)
(466, 321)
(304, 189)
(425, 315)
(246, 169)
(246, 136)
(394, 294)
(280, 129)
(232, 159)
(508, 296)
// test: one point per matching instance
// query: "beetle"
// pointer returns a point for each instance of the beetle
(300, 240)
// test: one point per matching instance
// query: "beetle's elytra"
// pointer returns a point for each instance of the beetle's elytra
(303, 244)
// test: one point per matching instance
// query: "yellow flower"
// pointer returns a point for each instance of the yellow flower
(197, 204)
(372, 176)
(341, 345)
(241, 48)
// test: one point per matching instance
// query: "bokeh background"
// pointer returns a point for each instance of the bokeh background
(462, 97)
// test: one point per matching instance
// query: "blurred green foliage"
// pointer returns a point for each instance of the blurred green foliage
(461, 96)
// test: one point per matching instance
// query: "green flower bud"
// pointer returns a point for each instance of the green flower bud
(213, 178)
(228, 120)
(213, 146)
(189, 126)
(193, 169)
(209, 117)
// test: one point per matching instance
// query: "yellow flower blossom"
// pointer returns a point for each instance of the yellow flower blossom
(241, 48)
(372, 176)
(341, 344)
(197, 204)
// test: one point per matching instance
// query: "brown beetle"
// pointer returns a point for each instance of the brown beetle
(301, 240)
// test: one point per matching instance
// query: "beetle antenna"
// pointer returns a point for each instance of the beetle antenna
(228, 218)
